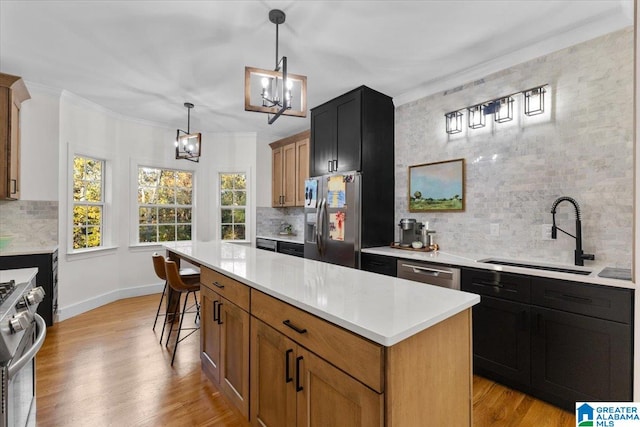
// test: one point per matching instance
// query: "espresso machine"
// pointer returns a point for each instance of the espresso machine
(409, 231)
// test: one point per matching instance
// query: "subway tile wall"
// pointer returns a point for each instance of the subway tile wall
(30, 223)
(268, 220)
(582, 148)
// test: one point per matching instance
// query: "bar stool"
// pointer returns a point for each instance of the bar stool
(176, 283)
(189, 275)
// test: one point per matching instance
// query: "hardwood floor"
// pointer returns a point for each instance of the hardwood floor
(106, 368)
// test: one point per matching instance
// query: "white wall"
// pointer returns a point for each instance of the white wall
(39, 144)
(264, 175)
(55, 122)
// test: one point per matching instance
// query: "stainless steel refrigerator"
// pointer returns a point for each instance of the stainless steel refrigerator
(333, 218)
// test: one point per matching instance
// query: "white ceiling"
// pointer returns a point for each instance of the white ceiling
(144, 59)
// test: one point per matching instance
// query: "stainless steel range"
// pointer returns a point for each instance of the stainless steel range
(22, 332)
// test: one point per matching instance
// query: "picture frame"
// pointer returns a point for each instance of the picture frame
(437, 187)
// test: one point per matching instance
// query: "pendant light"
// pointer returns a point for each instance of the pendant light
(188, 145)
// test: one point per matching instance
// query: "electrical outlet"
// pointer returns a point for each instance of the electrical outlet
(545, 232)
(495, 230)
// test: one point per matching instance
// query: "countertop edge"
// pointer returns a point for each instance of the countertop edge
(387, 340)
(282, 238)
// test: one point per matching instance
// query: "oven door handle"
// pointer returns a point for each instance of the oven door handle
(41, 327)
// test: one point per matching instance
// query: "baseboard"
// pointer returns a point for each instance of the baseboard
(100, 300)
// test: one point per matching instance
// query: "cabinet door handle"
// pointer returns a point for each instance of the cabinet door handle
(15, 186)
(330, 166)
(219, 318)
(287, 377)
(490, 284)
(335, 165)
(294, 327)
(215, 317)
(298, 386)
(218, 285)
(575, 298)
(523, 320)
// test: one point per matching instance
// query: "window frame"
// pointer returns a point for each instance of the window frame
(134, 236)
(247, 205)
(106, 233)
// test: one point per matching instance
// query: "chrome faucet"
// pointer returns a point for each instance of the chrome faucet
(579, 255)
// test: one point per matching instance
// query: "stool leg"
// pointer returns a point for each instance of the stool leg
(184, 309)
(164, 289)
(164, 324)
(195, 298)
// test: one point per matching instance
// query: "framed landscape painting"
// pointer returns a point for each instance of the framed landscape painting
(437, 187)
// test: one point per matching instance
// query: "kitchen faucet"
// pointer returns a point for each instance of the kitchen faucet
(579, 255)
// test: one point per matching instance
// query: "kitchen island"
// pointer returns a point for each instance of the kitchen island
(338, 346)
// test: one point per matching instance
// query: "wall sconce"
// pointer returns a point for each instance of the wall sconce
(454, 122)
(476, 116)
(534, 101)
(188, 145)
(504, 109)
(275, 92)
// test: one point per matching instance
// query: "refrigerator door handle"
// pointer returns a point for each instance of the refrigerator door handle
(318, 231)
(321, 214)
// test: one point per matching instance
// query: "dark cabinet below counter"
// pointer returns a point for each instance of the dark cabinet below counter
(381, 264)
(557, 340)
(47, 277)
(287, 248)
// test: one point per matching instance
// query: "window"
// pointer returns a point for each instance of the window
(88, 202)
(233, 206)
(165, 205)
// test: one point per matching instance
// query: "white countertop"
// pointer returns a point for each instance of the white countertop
(451, 259)
(383, 309)
(283, 237)
(20, 275)
(11, 250)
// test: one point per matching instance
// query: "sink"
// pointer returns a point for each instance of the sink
(524, 264)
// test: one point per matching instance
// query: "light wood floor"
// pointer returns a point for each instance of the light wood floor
(106, 368)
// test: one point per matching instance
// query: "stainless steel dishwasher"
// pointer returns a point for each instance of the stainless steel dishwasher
(429, 273)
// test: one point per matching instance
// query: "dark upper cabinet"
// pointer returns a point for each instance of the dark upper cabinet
(353, 132)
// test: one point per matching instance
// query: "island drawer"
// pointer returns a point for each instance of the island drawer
(603, 302)
(357, 356)
(234, 291)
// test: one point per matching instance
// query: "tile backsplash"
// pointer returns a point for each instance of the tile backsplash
(30, 223)
(582, 147)
(268, 220)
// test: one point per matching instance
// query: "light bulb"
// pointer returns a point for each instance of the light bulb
(289, 84)
(265, 82)
(190, 147)
(175, 142)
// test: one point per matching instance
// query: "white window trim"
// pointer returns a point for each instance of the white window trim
(107, 232)
(218, 208)
(134, 164)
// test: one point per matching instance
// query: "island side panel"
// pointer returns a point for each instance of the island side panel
(429, 378)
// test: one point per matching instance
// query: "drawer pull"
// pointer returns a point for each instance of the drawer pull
(215, 303)
(298, 386)
(425, 270)
(218, 285)
(491, 284)
(287, 377)
(577, 299)
(294, 327)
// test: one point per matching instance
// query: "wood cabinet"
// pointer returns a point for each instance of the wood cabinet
(225, 336)
(353, 132)
(291, 386)
(12, 93)
(560, 341)
(308, 372)
(290, 168)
